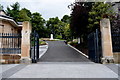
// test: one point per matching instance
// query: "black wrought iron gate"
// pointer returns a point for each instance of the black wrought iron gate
(94, 46)
(34, 53)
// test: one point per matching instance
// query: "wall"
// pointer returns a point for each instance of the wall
(2, 13)
(116, 56)
(8, 28)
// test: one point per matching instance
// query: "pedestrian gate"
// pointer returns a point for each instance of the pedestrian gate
(94, 46)
(34, 53)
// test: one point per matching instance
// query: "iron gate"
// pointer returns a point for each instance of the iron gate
(115, 32)
(94, 46)
(34, 53)
(10, 43)
(116, 42)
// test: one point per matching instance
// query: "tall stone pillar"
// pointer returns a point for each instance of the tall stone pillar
(25, 46)
(106, 41)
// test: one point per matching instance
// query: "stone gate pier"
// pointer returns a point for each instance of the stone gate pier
(107, 49)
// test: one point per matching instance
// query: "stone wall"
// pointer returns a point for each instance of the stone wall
(8, 28)
(116, 56)
(10, 58)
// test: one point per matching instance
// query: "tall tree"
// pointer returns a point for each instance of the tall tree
(29, 14)
(79, 18)
(14, 11)
(99, 10)
(66, 27)
(38, 24)
(24, 15)
(52, 25)
(67, 32)
(66, 19)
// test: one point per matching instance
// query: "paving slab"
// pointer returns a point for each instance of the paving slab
(6, 67)
(115, 68)
(63, 70)
(12, 69)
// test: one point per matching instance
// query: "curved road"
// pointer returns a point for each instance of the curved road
(58, 51)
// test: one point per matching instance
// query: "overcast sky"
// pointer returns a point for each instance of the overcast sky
(48, 8)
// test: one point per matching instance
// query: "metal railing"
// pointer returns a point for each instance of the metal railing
(116, 42)
(10, 43)
(115, 32)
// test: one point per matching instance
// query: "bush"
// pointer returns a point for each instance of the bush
(58, 37)
(73, 43)
(42, 43)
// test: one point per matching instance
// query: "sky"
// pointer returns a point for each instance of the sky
(47, 8)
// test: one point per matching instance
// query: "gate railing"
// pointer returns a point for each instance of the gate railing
(10, 43)
(34, 53)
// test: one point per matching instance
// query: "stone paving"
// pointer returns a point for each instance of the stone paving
(65, 70)
(70, 70)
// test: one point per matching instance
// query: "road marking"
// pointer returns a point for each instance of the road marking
(44, 51)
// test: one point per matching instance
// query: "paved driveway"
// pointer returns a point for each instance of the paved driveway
(58, 51)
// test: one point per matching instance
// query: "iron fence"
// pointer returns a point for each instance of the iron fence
(116, 42)
(115, 32)
(10, 43)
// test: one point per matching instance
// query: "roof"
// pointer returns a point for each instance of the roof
(3, 16)
(9, 19)
(6, 16)
(3, 11)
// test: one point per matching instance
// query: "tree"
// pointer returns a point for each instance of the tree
(66, 19)
(17, 14)
(99, 10)
(86, 16)
(66, 27)
(29, 14)
(59, 28)
(38, 24)
(52, 25)
(24, 15)
(67, 32)
(14, 12)
(79, 18)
